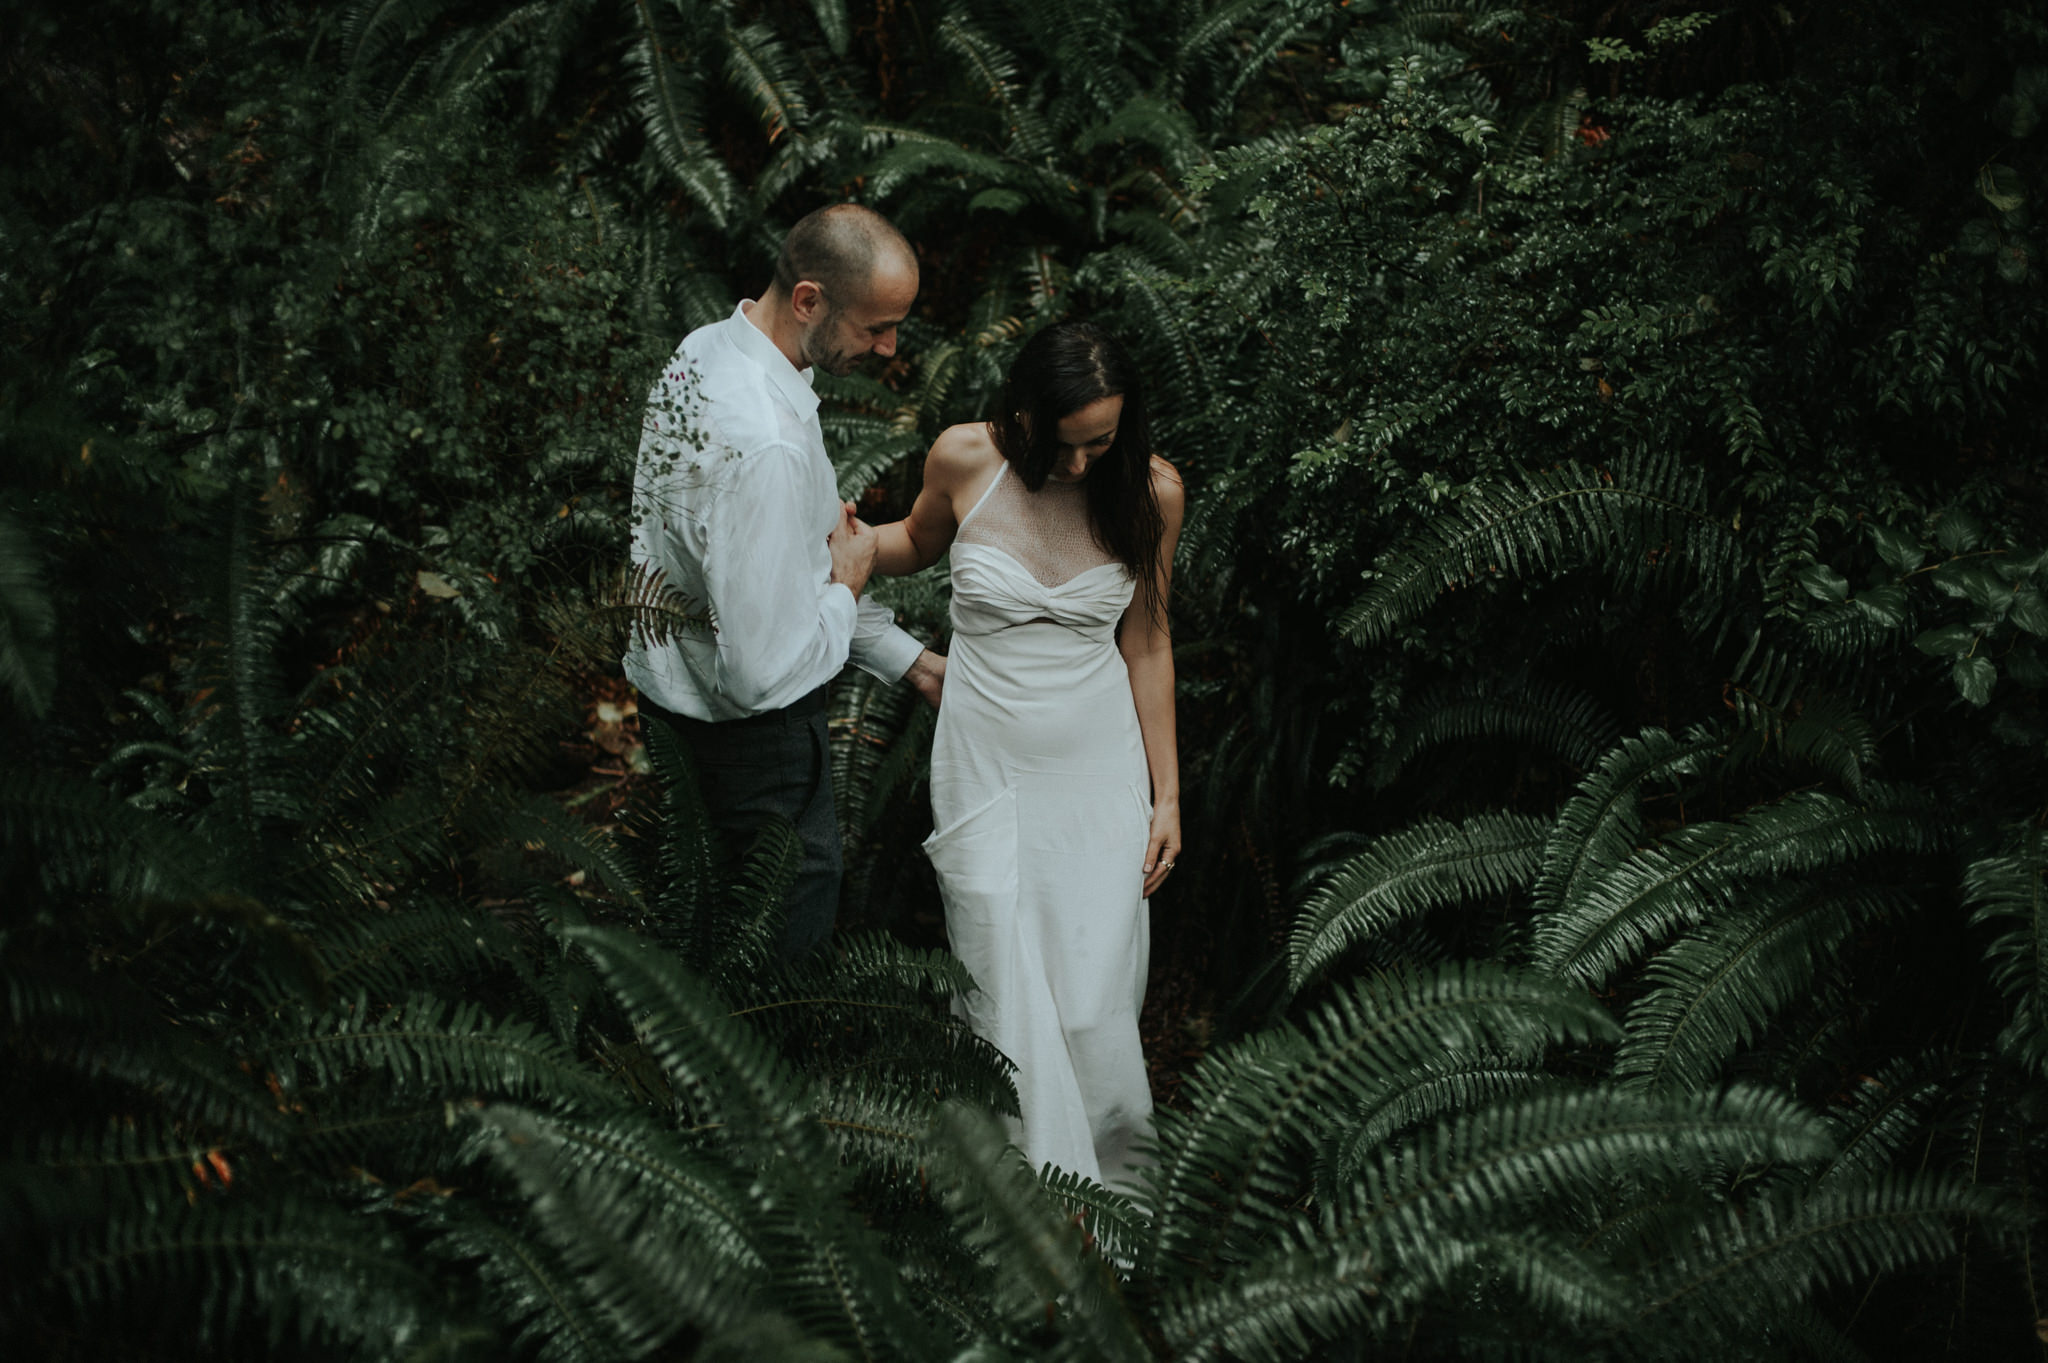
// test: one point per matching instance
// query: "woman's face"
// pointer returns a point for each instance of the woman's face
(1085, 436)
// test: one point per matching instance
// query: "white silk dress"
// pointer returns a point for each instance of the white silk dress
(1041, 802)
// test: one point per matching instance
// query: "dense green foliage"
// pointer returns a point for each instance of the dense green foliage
(1610, 629)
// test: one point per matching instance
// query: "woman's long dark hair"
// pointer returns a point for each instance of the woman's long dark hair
(1058, 372)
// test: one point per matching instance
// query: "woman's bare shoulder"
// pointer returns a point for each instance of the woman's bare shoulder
(965, 449)
(1167, 485)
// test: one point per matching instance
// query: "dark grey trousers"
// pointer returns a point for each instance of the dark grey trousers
(777, 762)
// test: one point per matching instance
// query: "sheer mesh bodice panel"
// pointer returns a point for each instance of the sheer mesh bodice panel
(1047, 531)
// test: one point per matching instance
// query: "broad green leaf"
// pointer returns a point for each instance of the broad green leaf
(1950, 641)
(2001, 187)
(1885, 604)
(1958, 531)
(1824, 583)
(1978, 584)
(1001, 200)
(2030, 611)
(1978, 238)
(1901, 552)
(1974, 677)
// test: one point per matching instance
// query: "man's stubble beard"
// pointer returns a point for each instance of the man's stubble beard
(819, 351)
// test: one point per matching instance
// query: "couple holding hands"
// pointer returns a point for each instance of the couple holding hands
(1055, 787)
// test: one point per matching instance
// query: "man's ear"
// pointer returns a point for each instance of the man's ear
(807, 301)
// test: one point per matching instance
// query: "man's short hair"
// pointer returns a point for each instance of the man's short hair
(837, 248)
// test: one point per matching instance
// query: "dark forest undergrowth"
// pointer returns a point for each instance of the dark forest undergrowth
(1609, 628)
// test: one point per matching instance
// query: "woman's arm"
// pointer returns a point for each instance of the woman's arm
(1147, 646)
(955, 460)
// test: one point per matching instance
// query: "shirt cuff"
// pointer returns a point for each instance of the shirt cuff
(881, 648)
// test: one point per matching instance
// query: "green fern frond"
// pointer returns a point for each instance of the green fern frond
(1555, 718)
(1227, 1165)
(306, 1269)
(865, 447)
(381, 954)
(72, 1177)
(1278, 1308)
(28, 624)
(1772, 1254)
(1679, 880)
(875, 1126)
(662, 1237)
(638, 608)
(434, 1046)
(1404, 874)
(991, 71)
(1823, 731)
(1716, 991)
(1878, 1117)
(1006, 1215)
(833, 24)
(1555, 1149)
(1632, 521)
(2010, 891)
(1288, 20)
(75, 832)
(727, 1076)
(532, 1291)
(1598, 826)
(1435, 1089)
(766, 872)
(182, 1076)
(372, 28)
(1210, 29)
(914, 154)
(1111, 1223)
(668, 111)
(539, 823)
(763, 72)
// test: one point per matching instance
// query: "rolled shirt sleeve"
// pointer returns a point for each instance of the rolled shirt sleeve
(881, 648)
(778, 625)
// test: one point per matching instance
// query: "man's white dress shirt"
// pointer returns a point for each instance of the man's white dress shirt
(733, 499)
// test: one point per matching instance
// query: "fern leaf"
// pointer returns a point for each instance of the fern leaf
(1434, 1089)
(537, 822)
(1678, 881)
(1225, 1167)
(529, 1287)
(28, 624)
(432, 1045)
(1006, 1215)
(313, 1270)
(1881, 1113)
(1404, 874)
(833, 24)
(759, 68)
(660, 1235)
(1631, 521)
(1559, 719)
(78, 830)
(668, 111)
(2010, 891)
(1276, 1309)
(1714, 992)
(1772, 1254)
(1553, 1149)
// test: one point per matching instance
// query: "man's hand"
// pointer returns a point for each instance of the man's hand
(928, 675)
(853, 543)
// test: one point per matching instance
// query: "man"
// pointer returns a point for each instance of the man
(737, 506)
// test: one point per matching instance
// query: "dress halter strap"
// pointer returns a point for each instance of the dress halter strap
(981, 501)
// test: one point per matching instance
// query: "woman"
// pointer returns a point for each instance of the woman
(1055, 786)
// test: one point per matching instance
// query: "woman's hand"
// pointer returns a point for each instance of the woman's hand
(1162, 848)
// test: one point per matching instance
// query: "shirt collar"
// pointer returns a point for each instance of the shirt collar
(794, 384)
